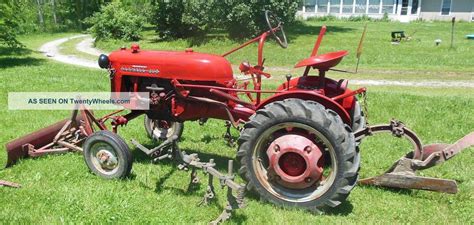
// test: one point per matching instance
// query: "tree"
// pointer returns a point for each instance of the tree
(182, 18)
(8, 25)
(246, 18)
(240, 18)
(114, 21)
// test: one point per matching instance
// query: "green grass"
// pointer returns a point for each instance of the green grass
(69, 48)
(60, 189)
(379, 54)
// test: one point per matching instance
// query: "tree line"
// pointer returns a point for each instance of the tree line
(125, 19)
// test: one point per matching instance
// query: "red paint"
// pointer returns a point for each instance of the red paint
(184, 65)
(204, 87)
(323, 62)
(293, 158)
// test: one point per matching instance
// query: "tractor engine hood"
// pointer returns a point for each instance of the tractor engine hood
(181, 65)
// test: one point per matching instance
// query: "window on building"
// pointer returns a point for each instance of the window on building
(322, 6)
(374, 6)
(361, 6)
(309, 5)
(446, 7)
(387, 6)
(414, 7)
(335, 6)
(404, 10)
(347, 6)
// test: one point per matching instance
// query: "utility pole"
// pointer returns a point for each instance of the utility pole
(452, 32)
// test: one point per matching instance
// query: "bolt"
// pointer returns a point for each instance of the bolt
(276, 148)
(308, 149)
(307, 179)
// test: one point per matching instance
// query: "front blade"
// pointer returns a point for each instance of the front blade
(16, 150)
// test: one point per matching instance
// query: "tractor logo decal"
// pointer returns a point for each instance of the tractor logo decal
(139, 69)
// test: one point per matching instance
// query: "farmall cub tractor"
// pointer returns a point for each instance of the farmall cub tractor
(298, 147)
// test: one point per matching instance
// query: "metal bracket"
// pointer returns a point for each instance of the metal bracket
(227, 135)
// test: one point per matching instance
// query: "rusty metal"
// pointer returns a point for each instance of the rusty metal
(294, 160)
(61, 137)
(5, 183)
(402, 174)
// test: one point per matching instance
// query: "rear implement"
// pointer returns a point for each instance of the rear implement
(402, 174)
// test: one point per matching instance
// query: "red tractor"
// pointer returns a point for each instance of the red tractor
(298, 145)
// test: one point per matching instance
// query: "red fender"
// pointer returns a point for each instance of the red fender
(312, 96)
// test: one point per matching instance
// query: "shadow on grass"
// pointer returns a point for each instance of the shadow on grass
(299, 28)
(393, 190)
(292, 31)
(20, 61)
(194, 41)
(4, 51)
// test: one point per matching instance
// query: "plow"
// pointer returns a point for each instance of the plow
(298, 144)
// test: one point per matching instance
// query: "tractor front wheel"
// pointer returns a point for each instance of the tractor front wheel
(296, 153)
(161, 129)
(107, 155)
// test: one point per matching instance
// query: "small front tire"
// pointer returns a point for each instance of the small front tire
(161, 130)
(107, 155)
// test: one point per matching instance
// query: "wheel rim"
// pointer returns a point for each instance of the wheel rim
(290, 179)
(162, 129)
(104, 158)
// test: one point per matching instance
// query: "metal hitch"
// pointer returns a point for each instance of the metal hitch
(170, 150)
(402, 174)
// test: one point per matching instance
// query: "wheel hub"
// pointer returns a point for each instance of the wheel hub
(107, 160)
(293, 161)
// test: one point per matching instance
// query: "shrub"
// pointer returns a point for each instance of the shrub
(247, 18)
(114, 21)
(8, 26)
(183, 18)
(240, 18)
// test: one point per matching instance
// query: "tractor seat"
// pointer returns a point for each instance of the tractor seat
(324, 61)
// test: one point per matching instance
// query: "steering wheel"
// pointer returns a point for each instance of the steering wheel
(271, 19)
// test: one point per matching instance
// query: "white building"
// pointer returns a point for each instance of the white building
(402, 10)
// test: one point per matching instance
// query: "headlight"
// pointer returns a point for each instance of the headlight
(104, 61)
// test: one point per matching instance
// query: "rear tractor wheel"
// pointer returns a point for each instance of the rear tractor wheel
(161, 129)
(296, 153)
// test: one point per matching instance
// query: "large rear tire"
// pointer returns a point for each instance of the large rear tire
(301, 121)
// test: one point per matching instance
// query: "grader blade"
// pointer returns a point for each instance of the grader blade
(63, 136)
(18, 148)
(402, 174)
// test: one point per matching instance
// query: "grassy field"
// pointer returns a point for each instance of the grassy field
(60, 189)
(379, 55)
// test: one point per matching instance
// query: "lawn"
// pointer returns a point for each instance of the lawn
(60, 189)
(379, 55)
